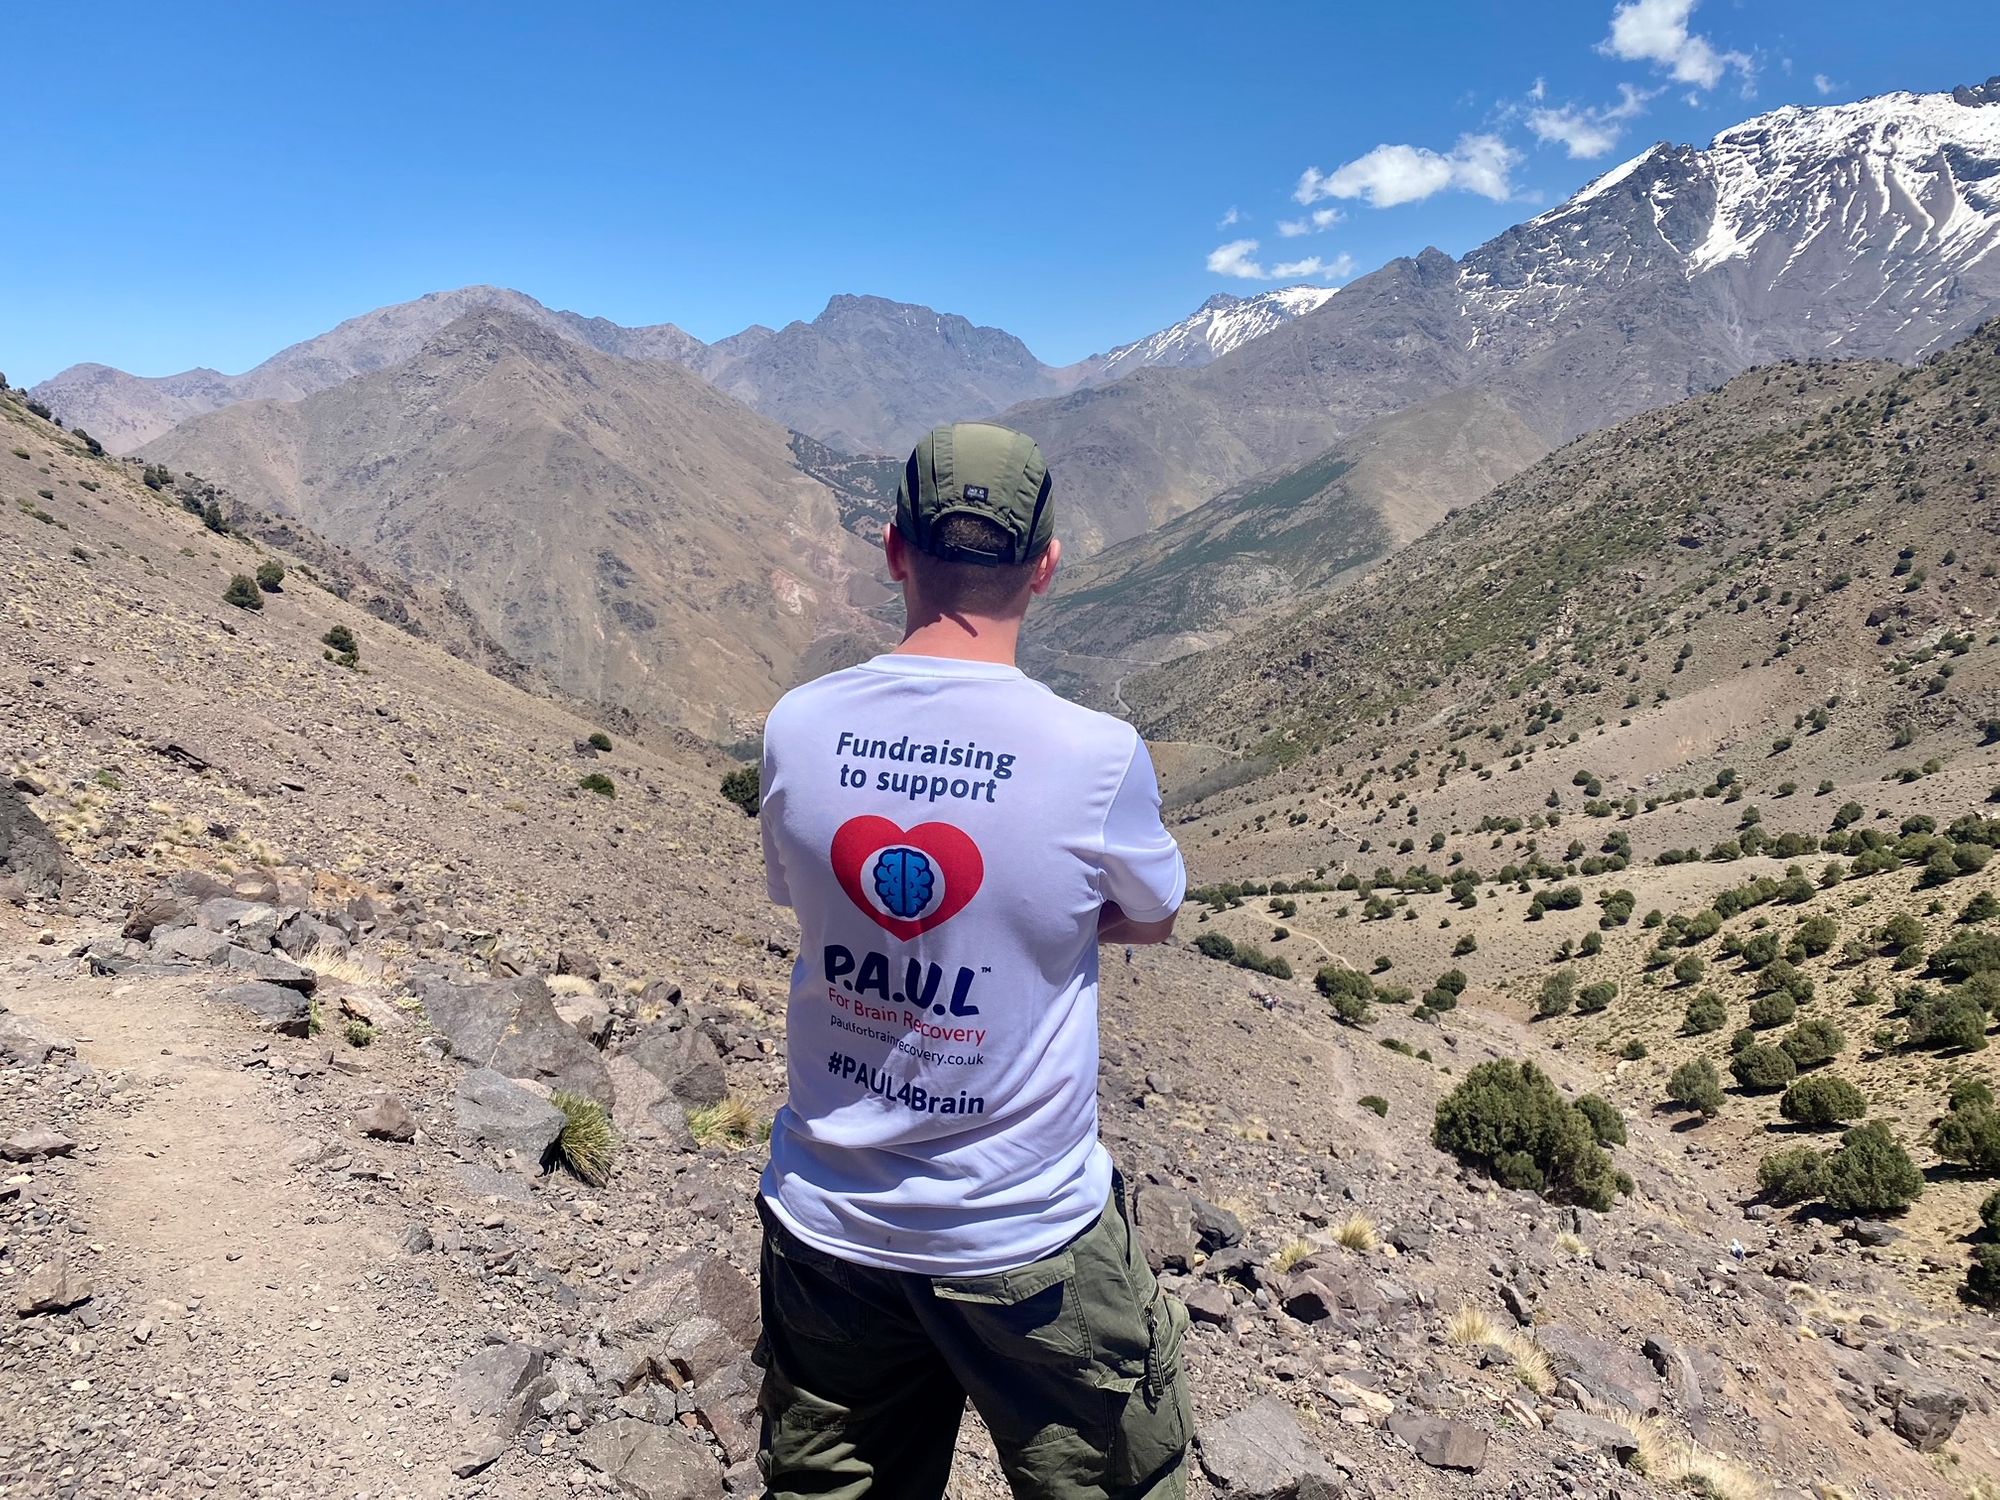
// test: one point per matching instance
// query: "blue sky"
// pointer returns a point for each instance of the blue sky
(203, 183)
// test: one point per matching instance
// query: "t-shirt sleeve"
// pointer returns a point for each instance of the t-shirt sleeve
(1143, 870)
(770, 822)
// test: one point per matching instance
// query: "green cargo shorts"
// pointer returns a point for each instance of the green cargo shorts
(1074, 1363)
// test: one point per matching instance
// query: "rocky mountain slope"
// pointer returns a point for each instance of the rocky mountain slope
(872, 376)
(367, 1258)
(1856, 230)
(617, 524)
(124, 412)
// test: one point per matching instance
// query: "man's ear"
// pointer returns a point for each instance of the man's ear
(897, 551)
(1045, 568)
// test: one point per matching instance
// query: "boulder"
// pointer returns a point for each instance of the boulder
(576, 961)
(1924, 1413)
(27, 1041)
(1165, 1220)
(270, 968)
(387, 1119)
(1601, 1433)
(38, 1143)
(1207, 1302)
(1262, 1453)
(511, 1026)
(160, 912)
(1439, 1442)
(302, 933)
(52, 1287)
(643, 1110)
(495, 1111)
(497, 1382)
(1611, 1373)
(690, 1317)
(277, 1007)
(650, 1461)
(589, 1016)
(189, 945)
(1214, 1228)
(686, 1058)
(28, 851)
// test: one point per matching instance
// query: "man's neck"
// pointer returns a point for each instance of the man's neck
(962, 638)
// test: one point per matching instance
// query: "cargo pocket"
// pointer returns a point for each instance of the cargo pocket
(1157, 1422)
(808, 1294)
(1034, 1312)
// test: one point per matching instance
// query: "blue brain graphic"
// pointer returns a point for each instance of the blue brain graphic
(904, 881)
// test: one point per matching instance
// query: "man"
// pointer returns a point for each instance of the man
(940, 1219)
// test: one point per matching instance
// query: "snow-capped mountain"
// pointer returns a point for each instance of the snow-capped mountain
(1859, 230)
(1222, 323)
(1865, 228)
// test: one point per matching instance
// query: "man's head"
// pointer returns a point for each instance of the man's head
(974, 532)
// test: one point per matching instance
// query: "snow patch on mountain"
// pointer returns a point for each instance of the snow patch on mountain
(1222, 323)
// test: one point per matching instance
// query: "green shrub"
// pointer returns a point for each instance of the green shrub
(1595, 997)
(1951, 1022)
(1967, 954)
(1696, 1085)
(1823, 1099)
(243, 592)
(1689, 968)
(1782, 977)
(1375, 1102)
(1818, 934)
(1466, 944)
(744, 786)
(1989, 1214)
(1352, 1009)
(599, 783)
(599, 740)
(1509, 1119)
(1335, 980)
(1871, 1173)
(271, 577)
(1982, 1277)
(1705, 1013)
(1759, 949)
(1813, 1042)
(358, 1033)
(341, 639)
(1605, 1121)
(1558, 993)
(1772, 1010)
(1793, 1175)
(1762, 1070)
(1969, 1133)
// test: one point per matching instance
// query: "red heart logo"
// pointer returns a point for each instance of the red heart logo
(907, 880)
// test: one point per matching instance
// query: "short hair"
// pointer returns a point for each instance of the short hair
(979, 588)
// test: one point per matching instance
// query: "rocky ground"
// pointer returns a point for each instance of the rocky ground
(295, 959)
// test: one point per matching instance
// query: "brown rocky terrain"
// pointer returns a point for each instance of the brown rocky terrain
(616, 523)
(299, 948)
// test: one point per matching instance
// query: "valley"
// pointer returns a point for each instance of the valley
(1573, 669)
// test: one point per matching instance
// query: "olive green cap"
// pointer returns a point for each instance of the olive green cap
(977, 469)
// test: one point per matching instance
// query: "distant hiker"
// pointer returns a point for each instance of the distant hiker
(940, 1219)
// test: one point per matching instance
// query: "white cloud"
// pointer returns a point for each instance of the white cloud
(1656, 31)
(1538, 91)
(1312, 223)
(1233, 259)
(1238, 258)
(1590, 131)
(1824, 84)
(1234, 216)
(1389, 175)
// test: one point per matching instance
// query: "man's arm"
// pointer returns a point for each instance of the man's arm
(1113, 926)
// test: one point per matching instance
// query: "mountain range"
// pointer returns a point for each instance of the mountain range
(1256, 453)
(1862, 230)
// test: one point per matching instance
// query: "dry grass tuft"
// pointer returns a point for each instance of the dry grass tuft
(587, 1145)
(1290, 1254)
(1472, 1325)
(1357, 1233)
(1716, 1477)
(1654, 1453)
(730, 1123)
(571, 984)
(341, 968)
(1571, 1244)
(1532, 1367)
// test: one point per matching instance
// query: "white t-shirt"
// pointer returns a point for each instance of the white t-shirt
(947, 831)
